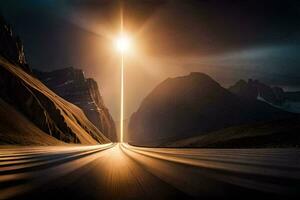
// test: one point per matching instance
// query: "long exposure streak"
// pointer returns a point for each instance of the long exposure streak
(122, 99)
(122, 86)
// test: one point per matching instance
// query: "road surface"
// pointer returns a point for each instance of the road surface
(121, 171)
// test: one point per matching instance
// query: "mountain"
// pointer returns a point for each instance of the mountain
(193, 105)
(71, 84)
(29, 101)
(275, 96)
(11, 47)
(254, 89)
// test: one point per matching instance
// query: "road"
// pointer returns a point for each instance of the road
(121, 171)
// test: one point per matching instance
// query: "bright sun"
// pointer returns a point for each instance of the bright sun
(122, 43)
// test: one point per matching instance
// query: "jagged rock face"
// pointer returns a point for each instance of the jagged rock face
(255, 89)
(70, 84)
(106, 123)
(191, 105)
(11, 47)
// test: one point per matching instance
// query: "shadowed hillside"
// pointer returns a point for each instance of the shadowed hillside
(194, 105)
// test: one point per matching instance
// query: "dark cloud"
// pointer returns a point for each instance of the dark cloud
(208, 27)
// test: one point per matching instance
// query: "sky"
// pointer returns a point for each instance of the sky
(228, 40)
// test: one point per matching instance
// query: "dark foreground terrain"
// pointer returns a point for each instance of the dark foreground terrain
(120, 171)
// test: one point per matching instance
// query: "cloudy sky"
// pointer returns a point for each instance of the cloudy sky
(227, 40)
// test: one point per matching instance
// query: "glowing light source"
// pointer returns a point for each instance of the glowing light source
(123, 43)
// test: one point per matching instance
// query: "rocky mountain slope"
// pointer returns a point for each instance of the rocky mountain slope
(192, 105)
(275, 96)
(11, 47)
(71, 84)
(16, 129)
(254, 89)
(29, 97)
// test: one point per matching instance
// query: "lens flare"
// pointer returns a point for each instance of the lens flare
(123, 43)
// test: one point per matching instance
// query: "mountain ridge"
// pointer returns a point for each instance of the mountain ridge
(275, 96)
(187, 105)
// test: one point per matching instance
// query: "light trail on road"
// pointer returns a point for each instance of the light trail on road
(121, 171)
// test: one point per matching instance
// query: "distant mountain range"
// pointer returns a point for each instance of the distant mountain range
(30, 112)
(275, 96)
(196, 105)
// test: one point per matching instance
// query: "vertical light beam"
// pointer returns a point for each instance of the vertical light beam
(122, 44)
(122, 87)
(122, 100)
